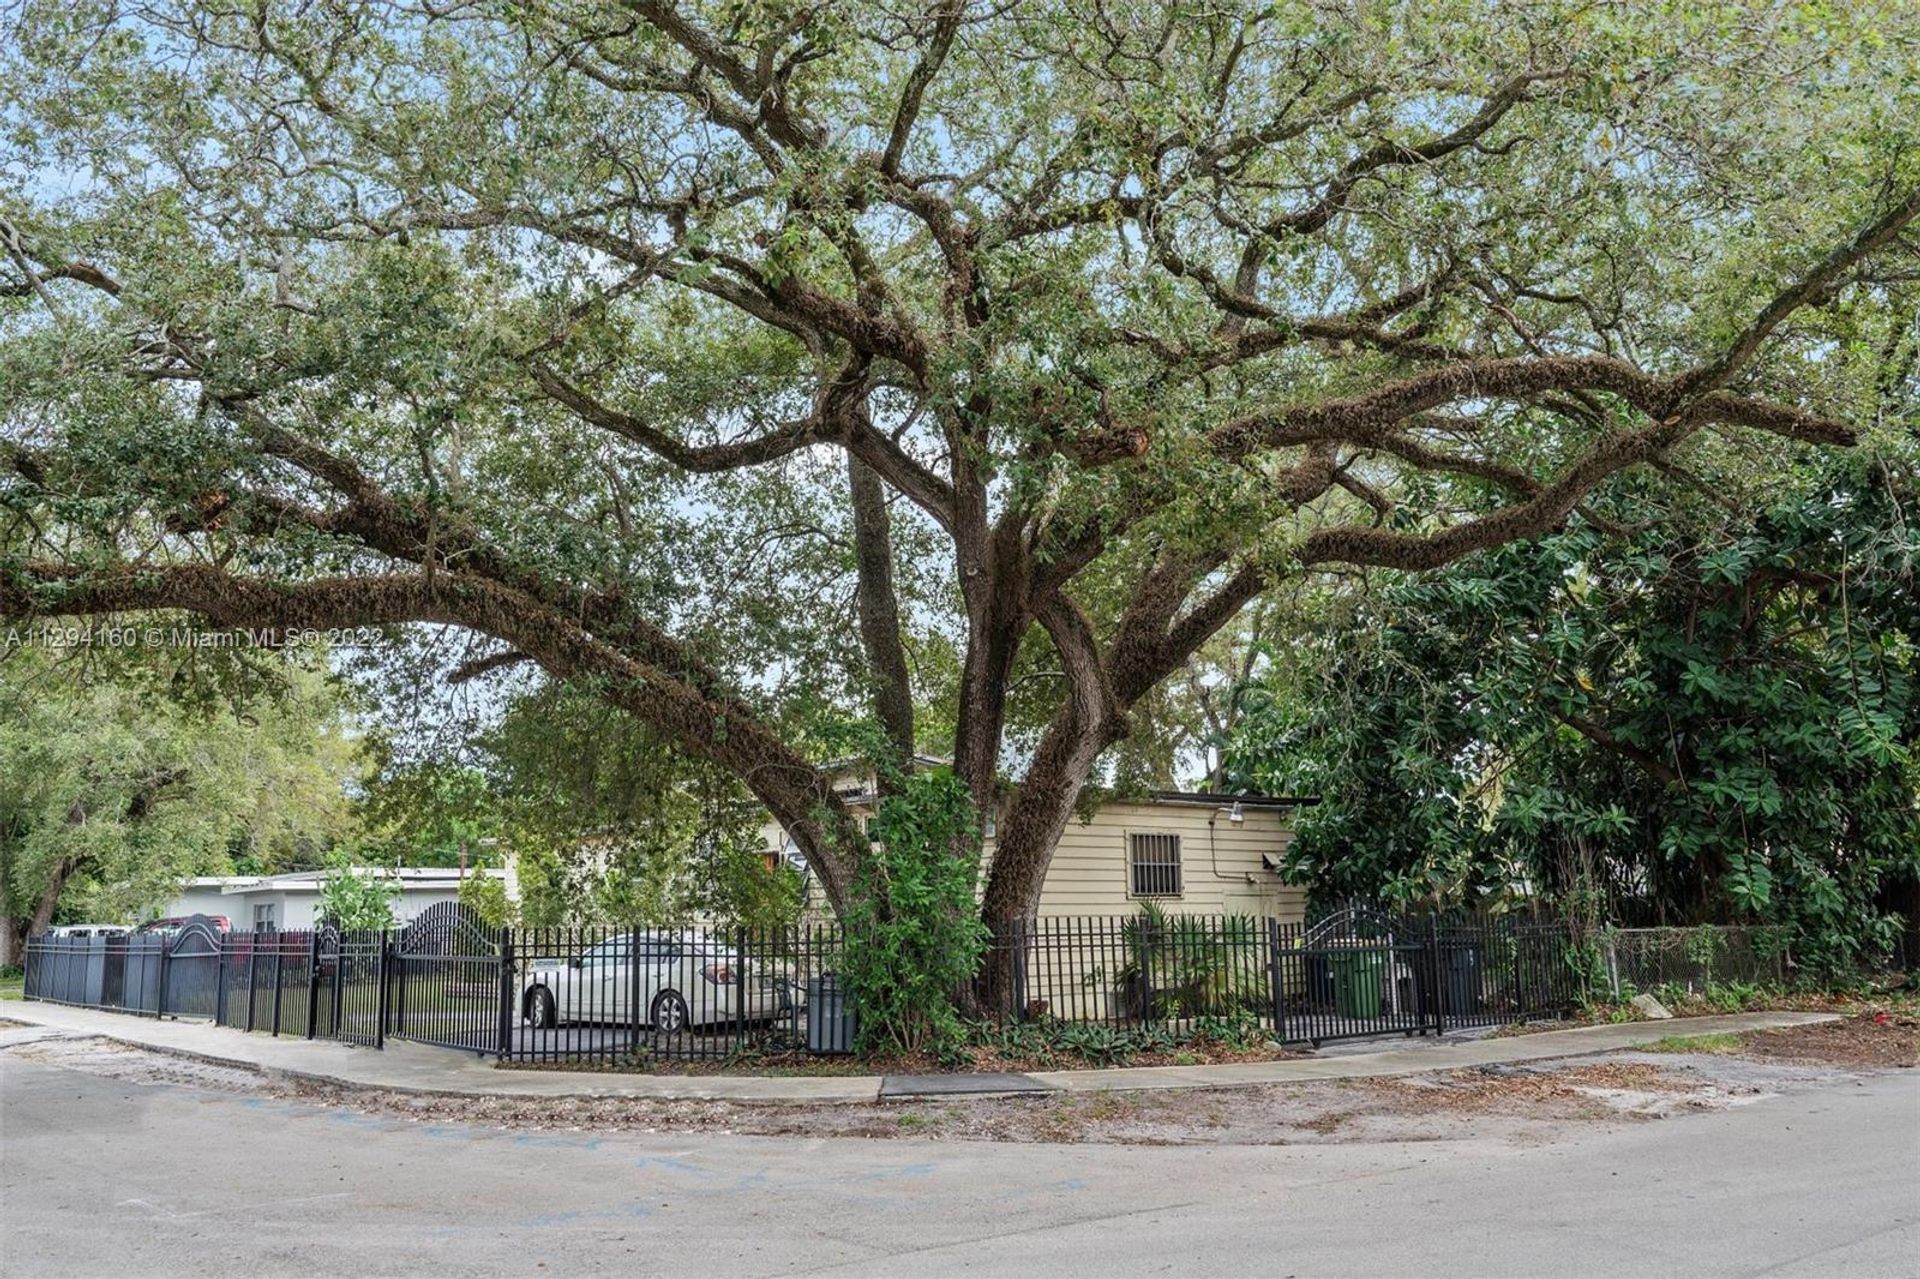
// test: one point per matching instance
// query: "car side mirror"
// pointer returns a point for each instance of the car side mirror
(574, 962)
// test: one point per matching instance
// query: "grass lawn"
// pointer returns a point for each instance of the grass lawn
(1696, 1044)
(10, 985)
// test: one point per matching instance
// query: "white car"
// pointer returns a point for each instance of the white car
(682, 980)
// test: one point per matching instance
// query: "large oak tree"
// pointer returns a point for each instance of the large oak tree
(628, 333)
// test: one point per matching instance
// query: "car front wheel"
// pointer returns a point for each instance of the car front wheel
(540, 1009)
(669, 1014)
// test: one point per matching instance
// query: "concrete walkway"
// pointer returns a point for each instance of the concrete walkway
(414, 1068)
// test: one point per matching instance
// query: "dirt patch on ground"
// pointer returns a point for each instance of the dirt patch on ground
(1585, 1091)
(1525, 1104)
(1877, 1039)
(1522, 1104)
(1268, 1115)
(137, 1065)
(1894, 1002)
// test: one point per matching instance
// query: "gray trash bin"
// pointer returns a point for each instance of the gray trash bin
(829, 1017)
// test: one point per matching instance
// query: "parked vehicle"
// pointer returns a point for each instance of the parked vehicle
(680, 980)
(88, 930)
(174, 923)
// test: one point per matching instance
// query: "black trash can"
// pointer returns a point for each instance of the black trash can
(1319, 982)
(829, 1017)
(1462, 977)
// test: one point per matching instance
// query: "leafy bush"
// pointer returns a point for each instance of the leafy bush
(1184, 966)
(485, 898)
(352, 901)
(1060, 1043)
(913, 934)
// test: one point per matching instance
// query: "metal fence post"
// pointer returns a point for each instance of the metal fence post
(253, 958)
(1147, 942)
(1022, 998)
(380, 1017)
(740, 986)
(634, 1011)
(339, 1028)
(279, 966)
(313, 982)
(160, 997)
(1277, 988)
(220, 983)
(400, 984)
(505, 1048)
(1434, 973)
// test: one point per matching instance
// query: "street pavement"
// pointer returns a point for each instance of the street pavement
(113, 1178)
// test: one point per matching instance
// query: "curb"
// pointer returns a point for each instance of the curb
(868, 1089)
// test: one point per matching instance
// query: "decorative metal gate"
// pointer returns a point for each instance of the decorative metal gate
(448, 982)
(1355, 973)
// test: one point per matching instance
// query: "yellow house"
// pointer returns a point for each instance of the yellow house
(1192, 852)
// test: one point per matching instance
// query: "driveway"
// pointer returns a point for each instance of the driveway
(103, 1176)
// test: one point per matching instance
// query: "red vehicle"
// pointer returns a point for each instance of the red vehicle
(174, 923)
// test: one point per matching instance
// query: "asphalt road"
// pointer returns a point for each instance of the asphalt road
(102, 1177)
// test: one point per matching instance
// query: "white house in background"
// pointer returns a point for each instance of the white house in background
(1191, 852)
(291, 902)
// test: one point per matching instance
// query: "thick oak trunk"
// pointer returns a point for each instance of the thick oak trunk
(879, 609)
(995, 572)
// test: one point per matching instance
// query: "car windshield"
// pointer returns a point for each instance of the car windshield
(655, 948)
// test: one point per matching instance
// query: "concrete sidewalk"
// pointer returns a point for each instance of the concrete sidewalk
(414, 1068)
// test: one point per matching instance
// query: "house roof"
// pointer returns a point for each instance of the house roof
(308, 881)
(1183, 798)
(850, 762)
(1225, 799)
(1218, 798)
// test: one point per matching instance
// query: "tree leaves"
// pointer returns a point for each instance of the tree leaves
(1721, 721)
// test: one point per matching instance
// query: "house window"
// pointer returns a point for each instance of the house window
(266, 918)
(1153, 865)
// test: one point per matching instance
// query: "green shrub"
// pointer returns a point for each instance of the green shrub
(1065, 1043)
(354, 902)
(1186, 966)
(914, 936)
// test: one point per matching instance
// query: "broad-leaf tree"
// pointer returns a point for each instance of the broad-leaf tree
(1693, 715)
(116, 782)
(720, 357)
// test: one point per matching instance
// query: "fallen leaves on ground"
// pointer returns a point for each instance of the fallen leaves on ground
(1877, 1038)
(1572, 1087)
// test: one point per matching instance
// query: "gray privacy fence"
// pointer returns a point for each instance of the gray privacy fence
(630, 996)
(319, 984)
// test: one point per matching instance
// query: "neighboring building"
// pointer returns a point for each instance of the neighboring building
(1194, 853)
(291, 902)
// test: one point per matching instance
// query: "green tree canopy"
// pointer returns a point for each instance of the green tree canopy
(757, 361)
(115, 784)
(1687, 714)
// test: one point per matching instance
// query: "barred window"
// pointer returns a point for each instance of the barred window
(1153, 865)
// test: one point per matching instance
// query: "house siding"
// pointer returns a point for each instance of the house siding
(1222, 867)
(1222, 864)
(297, 909)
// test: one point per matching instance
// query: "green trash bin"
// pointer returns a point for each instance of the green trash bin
(1359, 979)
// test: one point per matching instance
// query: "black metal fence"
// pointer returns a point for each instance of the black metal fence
(632, 996)
(1356, 973)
